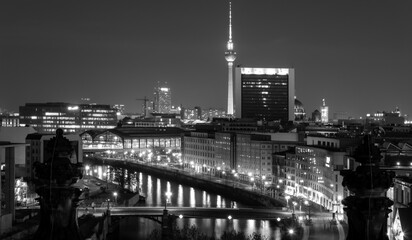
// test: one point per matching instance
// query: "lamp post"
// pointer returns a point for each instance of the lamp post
(339, 206)
(287, 201)
(308, 205)
(168, 195)
(115, 197)
(294, 205)
(252, 180)
(87, 169)
(293, 212)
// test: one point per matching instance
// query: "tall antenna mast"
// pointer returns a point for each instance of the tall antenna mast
(230, 56)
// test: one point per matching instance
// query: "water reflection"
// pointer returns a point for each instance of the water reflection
(182, 196)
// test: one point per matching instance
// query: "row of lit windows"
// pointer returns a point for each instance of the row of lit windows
(97, 119)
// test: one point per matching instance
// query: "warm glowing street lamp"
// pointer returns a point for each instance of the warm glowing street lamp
(287, 201)
(307, 203)
(115, 197)
(294, 205)
(168, 195)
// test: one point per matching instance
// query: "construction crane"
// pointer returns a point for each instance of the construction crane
(145, 100)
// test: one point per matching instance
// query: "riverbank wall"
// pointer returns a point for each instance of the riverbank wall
(244, 196)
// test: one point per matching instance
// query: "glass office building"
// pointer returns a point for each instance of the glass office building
(265, 93)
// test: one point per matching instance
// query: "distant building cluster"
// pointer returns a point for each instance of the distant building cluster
(264, 138)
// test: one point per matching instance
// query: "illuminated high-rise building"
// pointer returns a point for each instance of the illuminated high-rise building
(47, 117)
(324, 112)
(265, 93)
(162, 99)
(230, 56)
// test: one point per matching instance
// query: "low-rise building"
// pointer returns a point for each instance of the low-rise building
(122, 140)
(199, 152)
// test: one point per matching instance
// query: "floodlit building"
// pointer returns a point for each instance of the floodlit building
(324, 112)
(47, 117)
(191, 114)
(162, 99)
(199, 152)
(314, 173)
(132, 139)
(241, 155)
(9, 120)
(265, 93)
(209, 114)
(254, 156)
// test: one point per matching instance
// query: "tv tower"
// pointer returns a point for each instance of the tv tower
(230, 56)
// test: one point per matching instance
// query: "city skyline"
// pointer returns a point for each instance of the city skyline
(355, 55)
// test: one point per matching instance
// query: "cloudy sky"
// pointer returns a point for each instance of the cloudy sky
(355, 54)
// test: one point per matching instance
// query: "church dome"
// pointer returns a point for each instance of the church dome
(298, 104)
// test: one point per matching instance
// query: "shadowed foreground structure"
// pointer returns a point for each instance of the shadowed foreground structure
(367, 208)
(58, 198)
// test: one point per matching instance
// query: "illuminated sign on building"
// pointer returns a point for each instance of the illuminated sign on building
(72, 108)
(265, 71)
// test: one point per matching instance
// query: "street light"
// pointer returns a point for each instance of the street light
(168, 195)
(236, 178)
(262, 184)
(115, 197)
(87, 167)
(294, 205)
(287, 201)
(308, 205)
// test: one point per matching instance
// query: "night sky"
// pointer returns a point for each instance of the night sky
(355, 54)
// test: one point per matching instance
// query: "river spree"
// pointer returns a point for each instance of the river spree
(183, 196)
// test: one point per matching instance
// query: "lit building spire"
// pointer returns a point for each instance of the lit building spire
(229, 43)
(230, 56)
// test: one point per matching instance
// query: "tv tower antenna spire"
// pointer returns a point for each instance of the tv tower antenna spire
(230, 56)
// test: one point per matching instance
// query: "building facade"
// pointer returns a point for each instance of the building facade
(47, 117)
(324, 112)
(162, 99)
(134, 140)
(254, 156)
(9, 120)
(314, 174)
(199, 152)
(265, 93)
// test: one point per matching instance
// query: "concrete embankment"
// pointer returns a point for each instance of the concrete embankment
(244, 196)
